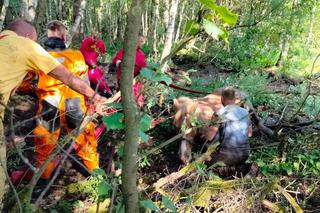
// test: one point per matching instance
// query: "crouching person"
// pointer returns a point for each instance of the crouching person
(61, 108)
(233, 133)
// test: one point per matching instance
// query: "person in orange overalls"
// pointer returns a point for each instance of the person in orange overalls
(62, 108)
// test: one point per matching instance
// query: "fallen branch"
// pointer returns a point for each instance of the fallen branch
(259, 123)
(185, 170)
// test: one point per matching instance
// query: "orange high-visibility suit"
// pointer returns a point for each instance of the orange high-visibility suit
(62, 108)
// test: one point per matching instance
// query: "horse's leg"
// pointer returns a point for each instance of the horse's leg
(185, 151)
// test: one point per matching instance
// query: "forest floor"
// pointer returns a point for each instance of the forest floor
(302, 183)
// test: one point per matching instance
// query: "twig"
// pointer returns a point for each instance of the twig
(12, 136)
(75, 160)
(73, 136)
(11, 185)
(282, 114)
(114, 193)
(169, 141)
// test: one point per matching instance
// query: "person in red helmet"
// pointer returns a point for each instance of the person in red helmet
(93, 48)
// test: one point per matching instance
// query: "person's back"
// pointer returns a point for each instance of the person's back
(15, 61)
(234, 129)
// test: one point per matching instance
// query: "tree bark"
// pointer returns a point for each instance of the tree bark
(3, 12)
(180, 22)
(40, 18)
(24, 9)
(166, 6)
(310, 31)
(77, 20)
(155, 26)
(170, 30)
(132, 118)
(32, 8)
(3, 166)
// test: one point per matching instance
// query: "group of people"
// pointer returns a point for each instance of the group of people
(69, 83)
(66, 83)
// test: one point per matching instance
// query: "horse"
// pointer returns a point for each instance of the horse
(203, 109)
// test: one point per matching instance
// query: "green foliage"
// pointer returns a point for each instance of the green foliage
(302, 160)
(95, 187)
(115, 121)
(166, 202)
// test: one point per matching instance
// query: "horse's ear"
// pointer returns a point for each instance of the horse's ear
(175, 104)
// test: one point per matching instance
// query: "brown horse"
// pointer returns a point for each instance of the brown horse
(204, 109)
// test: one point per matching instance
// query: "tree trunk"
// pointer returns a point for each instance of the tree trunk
(180, 22)
(28, 9)
(132, 119)
(310, 31)
(3, 166)
(77, 20)
(3, 12)
(32, 7)
(166, 6)
(155, 26)
(40, 19)
(24, 9)
(284, 45)
(170, 31)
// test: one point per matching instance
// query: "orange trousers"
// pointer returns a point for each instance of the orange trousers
(48, 131)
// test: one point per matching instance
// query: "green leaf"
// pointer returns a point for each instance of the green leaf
(202, 197)
(144, 137)
(260, 163)
(147, 73)
(104, 188)
(168, 204)
(225, 15)
(212, 29)
(145, 123)
(162, 77)
(99, 172)
(114, 121)
(115, 105)
(153, 66)
(192, 27)
(148, 204)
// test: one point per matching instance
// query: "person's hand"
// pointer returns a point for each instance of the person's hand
(95, 104)
(101, 107)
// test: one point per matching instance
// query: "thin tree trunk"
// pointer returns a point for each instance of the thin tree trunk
(24, 9)
(77, 21)
(40, 18)
(3, 12)
(3, 166)
(132, 118)
(310, 33)
(170, 30)
(166, 6)
(32, 8)
(155, 26)
(284, 45)
(180, 22)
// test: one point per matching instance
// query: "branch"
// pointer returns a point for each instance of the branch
(11, 138)
(185, 170)
(11, 185)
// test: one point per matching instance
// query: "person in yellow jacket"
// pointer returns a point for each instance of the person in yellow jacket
(60, 108)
